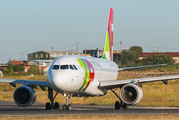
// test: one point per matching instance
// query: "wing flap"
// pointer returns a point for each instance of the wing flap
(110, 84)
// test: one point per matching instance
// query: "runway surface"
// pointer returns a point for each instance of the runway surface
(11, 109)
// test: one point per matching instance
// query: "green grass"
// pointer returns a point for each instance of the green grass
(94, 117)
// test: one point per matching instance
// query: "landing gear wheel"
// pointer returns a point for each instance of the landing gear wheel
(125, 106)
(56, 106)
(48, 106)
(117, 105)
(69, 107)
(66, 107)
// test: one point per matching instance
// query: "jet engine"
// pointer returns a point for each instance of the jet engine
(131, 94)
(24, 96)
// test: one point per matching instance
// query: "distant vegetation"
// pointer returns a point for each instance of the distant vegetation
(33, 70)
(157, 59)
(137, 49)
(11, 69)
(15, 70)
(129, 58)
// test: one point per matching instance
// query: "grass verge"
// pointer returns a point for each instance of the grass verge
(94, 117)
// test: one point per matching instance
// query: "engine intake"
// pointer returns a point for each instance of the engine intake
(131, 94)
(24, 96)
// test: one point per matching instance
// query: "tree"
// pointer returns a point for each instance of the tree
(33, 70)
(158, 59)
(18, 68)
(137, 49)
(9, 71)
(128, 58)
(10, 67)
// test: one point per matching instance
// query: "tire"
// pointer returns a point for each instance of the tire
(69, 107)
(117, 105)
(48, 106)
(125, 106)
(64, 107)
(56, 106)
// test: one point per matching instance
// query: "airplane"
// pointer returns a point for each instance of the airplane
(79, 76)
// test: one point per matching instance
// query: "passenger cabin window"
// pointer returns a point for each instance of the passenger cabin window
(75, 67)
(64, 67)
(55, 67)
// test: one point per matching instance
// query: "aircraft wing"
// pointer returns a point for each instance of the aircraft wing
(110, 84)
(138, 67)
(27, 82)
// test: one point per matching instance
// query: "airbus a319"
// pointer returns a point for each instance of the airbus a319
(78, 76)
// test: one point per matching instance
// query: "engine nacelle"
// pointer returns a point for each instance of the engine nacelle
(24, 96)
(131, 94)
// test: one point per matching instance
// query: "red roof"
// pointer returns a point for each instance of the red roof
(42, 68)
(173, 54)
(14, 62)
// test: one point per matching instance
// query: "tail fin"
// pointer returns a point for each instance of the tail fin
(108, 46)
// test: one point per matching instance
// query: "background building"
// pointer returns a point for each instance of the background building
(49, 55)
(94, 52)
(99, 52)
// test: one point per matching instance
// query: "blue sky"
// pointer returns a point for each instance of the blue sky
(29, 26)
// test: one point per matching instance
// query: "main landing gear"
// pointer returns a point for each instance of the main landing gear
(51, 105)
(120, 104)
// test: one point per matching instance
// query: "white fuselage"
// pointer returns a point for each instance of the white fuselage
(80, 75)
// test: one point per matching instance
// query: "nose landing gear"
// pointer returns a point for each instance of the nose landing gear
(67, 106)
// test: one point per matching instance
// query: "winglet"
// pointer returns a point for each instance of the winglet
(108, 46)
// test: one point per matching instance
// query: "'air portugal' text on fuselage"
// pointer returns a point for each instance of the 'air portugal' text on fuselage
(77, 74)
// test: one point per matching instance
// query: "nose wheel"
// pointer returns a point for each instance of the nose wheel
(66, 107)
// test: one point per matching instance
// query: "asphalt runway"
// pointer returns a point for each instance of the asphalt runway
(11, 109)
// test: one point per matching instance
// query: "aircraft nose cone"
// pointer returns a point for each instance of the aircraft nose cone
(60, 81)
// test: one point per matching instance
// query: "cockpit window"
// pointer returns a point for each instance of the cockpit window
(75, 67)
(71, 67)
(55, 67)
(64, 67)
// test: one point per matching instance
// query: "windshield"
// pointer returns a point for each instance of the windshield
(64, 67)
(71, 67)
(75, 67)
(55, 67)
